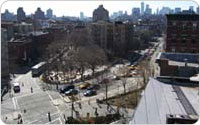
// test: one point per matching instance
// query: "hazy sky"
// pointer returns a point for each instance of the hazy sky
(73, 8)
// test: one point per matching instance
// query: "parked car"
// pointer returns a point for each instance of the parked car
(84, 85)
(117, 78)
(16, 87)
(71, 92)
(66, 88)
(94, 87)
(90, 93)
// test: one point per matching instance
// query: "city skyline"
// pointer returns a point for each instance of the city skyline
(66, 8)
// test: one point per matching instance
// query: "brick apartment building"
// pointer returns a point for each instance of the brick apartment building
(112, 37)
(182, 33)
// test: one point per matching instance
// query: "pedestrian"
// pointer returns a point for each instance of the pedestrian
(96, 113)
(9, 91)
(19, 119)
(24, 110)
(31, 90)
(80, 106)
(6, 118)
(22, 84)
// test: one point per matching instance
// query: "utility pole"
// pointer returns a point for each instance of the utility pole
(106, 93)
(72, 106)
(49, 116)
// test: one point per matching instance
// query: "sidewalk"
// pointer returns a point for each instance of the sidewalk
(90, 107)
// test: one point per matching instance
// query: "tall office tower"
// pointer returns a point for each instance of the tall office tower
(197, 10)
(177, 10)
(148, 11)
(147, 6)
(120, 13)
(81, 15)
(191, 8)
(125, 13)
(157, 11)
(39, 14)
(135, 11)
(49, 13)
(142, 8)
(20, 14)
(100, 14)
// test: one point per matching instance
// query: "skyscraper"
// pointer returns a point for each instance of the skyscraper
(39, 14)
(197, 10)
(135, 11)
(120, 13)
(147, 6)
(165, 10)
(20, 14)
(100, 14)
(148, 11)
(125, 13)
(49, 13)
(7, 16)
(142, 8)
(81, 15)
(177, 10)
(157, 11)
(191, 8)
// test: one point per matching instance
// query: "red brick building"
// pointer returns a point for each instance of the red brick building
(182, 33)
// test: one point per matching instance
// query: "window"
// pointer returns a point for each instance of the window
(174, 23)
(173, 49)
(193, 41)
(183, 41)
(184, 36)
(173, 41)
(173, 36)
(194, 26)
(184, 26)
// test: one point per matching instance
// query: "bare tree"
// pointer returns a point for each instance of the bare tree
(96, 57)
(105, 82)
(122, 72)
(145, 71)
(78, 50)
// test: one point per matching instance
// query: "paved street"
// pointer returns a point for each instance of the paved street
(34, 106)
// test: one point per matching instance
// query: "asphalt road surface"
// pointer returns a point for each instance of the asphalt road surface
(34, 106)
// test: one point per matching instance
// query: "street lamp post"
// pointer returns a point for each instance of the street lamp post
(72, 108)
(49, 116)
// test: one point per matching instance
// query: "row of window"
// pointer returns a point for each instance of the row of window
(194, 24)
(183, 26)
(184, 36)
(193, 41)
(173, 49)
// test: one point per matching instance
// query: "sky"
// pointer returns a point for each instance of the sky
(73, 8)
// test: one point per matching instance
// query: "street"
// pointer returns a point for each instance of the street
(34, 105)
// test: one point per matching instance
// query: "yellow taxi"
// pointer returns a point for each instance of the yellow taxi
(84, 85)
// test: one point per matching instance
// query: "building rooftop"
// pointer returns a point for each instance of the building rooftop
(38, 33)
(160, 99)
(182, 16)
(176, 63)
(20, 40)
(180, 57)
(23, 24)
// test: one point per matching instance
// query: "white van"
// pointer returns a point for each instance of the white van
(16, 87)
